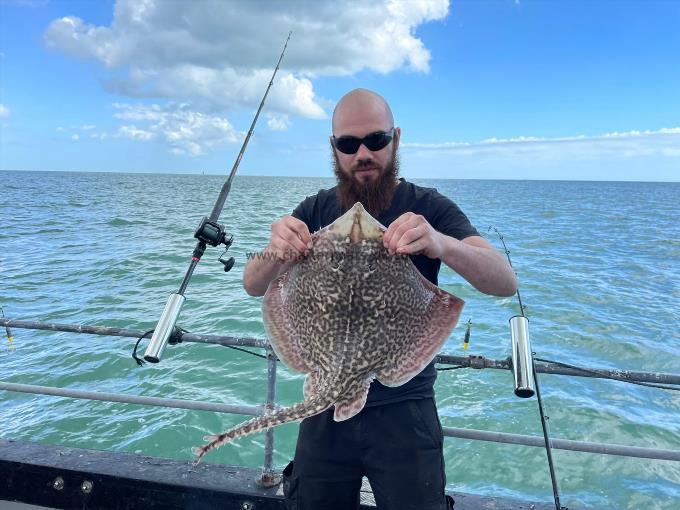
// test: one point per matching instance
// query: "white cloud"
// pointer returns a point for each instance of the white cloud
(214, 57)
(661, 142)
(135, 133)
(184, 130)
(278, 122)
(221, 89)
(85, 128)
(4, 111)
(219, 55)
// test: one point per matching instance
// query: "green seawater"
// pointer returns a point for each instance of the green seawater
(598, 264)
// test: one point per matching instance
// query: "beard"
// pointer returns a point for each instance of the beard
(374, 194)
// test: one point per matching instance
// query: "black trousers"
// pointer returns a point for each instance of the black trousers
(398, 447)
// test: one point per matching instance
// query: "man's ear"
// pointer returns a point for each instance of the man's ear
(397, 137)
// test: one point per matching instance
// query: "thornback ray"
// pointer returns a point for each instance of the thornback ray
(348, 313)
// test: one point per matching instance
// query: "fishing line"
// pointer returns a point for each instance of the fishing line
(523, 359)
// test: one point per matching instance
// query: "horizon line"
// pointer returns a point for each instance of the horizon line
(225, 175)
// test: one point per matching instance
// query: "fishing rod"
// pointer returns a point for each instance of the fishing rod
(525, 374)
(209, 232)
(8, 331)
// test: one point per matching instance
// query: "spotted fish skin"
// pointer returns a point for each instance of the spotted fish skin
(348, 313)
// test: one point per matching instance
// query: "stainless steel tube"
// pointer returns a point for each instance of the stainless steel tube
(164, 329)
(522, 363)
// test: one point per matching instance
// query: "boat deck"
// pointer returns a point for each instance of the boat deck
(34, 475)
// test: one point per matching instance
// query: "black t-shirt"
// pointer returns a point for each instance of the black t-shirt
(322, 209)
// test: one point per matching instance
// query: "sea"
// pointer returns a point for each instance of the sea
(599, 271)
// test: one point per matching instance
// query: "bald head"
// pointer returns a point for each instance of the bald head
(358, 108)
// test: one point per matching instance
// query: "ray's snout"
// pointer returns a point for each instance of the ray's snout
(357, 225)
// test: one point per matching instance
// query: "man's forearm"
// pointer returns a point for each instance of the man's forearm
(482, 266)
(290, 239)
(260, 270)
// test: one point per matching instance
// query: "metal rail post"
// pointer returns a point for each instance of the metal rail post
(269, 477)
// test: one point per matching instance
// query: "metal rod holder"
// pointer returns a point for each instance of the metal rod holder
(522, 363)
(164, 329)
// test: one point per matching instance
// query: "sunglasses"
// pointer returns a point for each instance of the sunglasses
(373, 142)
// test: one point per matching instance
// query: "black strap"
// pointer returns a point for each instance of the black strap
(140, 362)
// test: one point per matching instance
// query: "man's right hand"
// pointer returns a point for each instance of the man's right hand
(290, 239)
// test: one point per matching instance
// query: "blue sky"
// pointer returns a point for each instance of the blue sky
(481, 89)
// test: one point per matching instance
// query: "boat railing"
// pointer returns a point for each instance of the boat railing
(269, 475)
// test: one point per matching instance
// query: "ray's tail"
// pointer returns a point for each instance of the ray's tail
(297, 412)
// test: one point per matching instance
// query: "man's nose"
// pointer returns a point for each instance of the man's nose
(363, 153)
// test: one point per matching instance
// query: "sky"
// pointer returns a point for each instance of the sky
(503, 89)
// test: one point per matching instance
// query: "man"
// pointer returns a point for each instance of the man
(396, 440)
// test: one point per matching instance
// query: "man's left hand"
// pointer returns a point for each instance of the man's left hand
(412, 234)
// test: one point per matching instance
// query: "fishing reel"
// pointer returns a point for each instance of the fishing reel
(213, 233)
